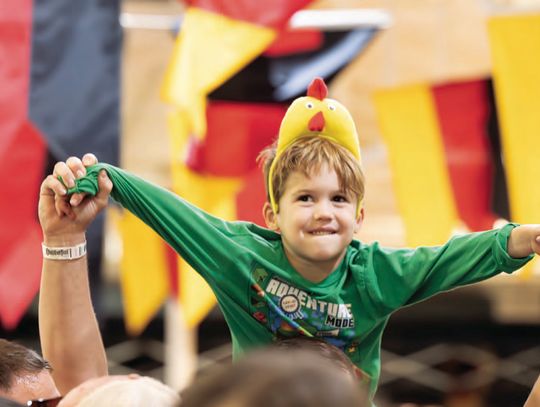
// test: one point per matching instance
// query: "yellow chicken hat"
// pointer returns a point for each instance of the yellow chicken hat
(315, 115)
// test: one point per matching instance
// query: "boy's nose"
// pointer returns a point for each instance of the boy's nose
(322, 210)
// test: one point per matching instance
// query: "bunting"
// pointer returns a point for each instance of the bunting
(144, 271)
(213, 45)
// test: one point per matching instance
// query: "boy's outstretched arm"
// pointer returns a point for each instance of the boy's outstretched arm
(524, 240)
(69, 332)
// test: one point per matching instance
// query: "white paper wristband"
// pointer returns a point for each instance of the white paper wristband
(64, 253)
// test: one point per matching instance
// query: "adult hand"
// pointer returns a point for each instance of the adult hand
(64, 219)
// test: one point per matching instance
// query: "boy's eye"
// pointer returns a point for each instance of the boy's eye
(305, 198)
(340, 198)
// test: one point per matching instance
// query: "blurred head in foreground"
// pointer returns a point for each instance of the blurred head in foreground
(121, 391)
(331, 353)
(24, 374)
(277, 378)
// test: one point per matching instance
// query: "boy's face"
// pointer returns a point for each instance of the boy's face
(316, 220)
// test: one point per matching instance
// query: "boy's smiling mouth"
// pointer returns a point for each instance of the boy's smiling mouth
(322, 232)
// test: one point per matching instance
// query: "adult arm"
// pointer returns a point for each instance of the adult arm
(69, 332)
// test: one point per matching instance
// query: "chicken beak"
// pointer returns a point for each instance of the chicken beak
(316, 123)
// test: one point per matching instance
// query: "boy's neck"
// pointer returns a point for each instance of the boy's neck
(314, 272)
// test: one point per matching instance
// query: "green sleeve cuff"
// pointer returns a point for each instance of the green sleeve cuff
(504, 261)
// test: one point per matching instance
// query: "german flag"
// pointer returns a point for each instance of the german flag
(444, 151)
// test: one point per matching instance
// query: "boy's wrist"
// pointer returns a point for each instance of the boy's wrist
(521, 241)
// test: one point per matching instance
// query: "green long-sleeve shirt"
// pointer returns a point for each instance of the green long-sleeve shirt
(264, 298)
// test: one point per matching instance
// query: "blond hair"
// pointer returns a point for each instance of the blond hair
(308, 155)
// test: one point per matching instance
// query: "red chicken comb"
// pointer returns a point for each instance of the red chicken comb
(317, 89)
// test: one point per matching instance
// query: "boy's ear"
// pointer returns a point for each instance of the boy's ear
(359, 220)
(270, 217)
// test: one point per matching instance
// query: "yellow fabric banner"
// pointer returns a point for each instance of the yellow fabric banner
(143, 272)
(515, 50)
(409, 126)
(515, 46)
(209, 49)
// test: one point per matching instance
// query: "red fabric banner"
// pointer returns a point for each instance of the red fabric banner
(294, 42)
(463, 111)
(22, 152)
(236, 134)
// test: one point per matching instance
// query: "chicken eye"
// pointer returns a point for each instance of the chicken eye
(309, 105)
(331, 107)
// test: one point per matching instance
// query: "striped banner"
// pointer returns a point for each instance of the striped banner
(410, 128)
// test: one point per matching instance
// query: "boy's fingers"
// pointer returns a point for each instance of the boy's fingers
(89, 159)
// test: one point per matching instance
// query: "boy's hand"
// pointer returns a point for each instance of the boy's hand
(535, 241)
(64, 219)
(524, 240)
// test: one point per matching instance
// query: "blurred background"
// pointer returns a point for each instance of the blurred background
(185, 94)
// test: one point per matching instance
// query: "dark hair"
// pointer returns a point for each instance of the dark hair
(277, 378)
(16, 359)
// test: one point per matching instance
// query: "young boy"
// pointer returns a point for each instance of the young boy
(305, 274)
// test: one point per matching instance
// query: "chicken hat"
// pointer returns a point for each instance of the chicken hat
(315, 115)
